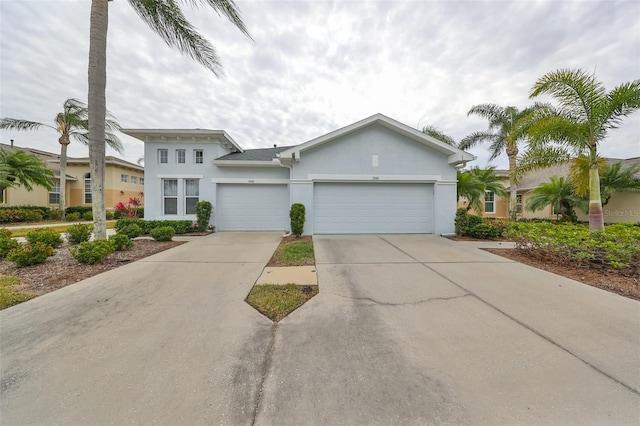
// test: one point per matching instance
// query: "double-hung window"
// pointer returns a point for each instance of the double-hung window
(198, 156)
(181, 156)
(489, 202)
(87, 188)
(191, 195)
(124, 178)
(163, 156)
(134, 179)
(54, 194)
(170, 196)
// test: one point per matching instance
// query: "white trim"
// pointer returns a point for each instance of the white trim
(251, 181)
(183, 136)
(302, 181)
(375, 178)
(447, 182)
(246, 163)
(484, 207)
(178, 176)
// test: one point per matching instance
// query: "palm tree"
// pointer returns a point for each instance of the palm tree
(559, 193)
(618, 179)
(474, 183)
(18, 168)
(72, 122)
(436, 133)
(507, 128)
(585, 114)
(165, 17)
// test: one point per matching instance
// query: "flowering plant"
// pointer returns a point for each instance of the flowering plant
(130, 209)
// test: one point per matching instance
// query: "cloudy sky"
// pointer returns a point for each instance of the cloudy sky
(315, 66)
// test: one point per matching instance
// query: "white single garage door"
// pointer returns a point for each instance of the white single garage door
(373, 208)
(252, 207)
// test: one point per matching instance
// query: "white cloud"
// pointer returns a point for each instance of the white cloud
(316, 66)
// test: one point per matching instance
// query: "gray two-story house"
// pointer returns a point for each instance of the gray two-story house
(374, 176)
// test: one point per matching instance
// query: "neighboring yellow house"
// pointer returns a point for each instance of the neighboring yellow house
(123, 180)
(622, 206)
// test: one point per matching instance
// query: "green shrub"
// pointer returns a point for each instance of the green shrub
(87, 215)
(461, 220)
(72, 217)
(6, 245)
(133, 230)
(109, 215)
(5, 233)
(617, 246)
(484, 231)
(79, 233)
(179, 226)
(77, 209)
(296, 214)
(92, 252)
(121, 242)
(55, 214)
(162, 233)
(23, 214)
(28, 254)
(203, 213)
(46, 236)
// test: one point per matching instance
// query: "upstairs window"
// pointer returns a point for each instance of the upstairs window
(198, 156)
(180, 156)
(124, 178)
(134, 179)
(141, 181)
(163, 156)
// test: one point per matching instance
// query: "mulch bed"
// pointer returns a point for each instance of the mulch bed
(62, 269)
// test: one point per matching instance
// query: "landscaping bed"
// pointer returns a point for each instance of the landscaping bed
(62, 269)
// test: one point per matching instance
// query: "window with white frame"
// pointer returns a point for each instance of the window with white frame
(198, 156)
(181, 156)
(124, 178)
(519, 203)
(191, 195)
(87, 189)
(489, 202)
(134, 179)
(163, 156)
(54, 194)
(170, 196)
(141, 181)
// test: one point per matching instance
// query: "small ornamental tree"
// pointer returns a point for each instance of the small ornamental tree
(203, 213)
(296, 214)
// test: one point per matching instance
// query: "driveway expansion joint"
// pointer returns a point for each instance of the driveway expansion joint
(265, 367)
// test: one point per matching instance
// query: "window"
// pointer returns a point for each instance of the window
(489, 202)
(141, 181)
(198, 156)
(3, 195)
(180, 156)
(519, 203)
(134, 179)
(87, 188)
(54, 194)
(163, 156)
(124, 178)
(191, 194)
(170, 196)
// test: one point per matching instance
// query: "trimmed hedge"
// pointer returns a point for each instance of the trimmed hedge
(77, 209)
(179, 226)
(21, 214)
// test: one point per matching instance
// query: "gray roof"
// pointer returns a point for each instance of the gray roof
(536, 177)
(259, 154)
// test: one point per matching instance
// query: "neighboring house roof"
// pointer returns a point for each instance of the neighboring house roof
(456, 156)
(534, 178)
(184, 135)
(53, 160)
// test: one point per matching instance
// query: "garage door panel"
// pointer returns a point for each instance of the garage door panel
(373, 208)
(252, 207)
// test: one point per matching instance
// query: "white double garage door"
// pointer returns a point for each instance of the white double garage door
(339, 208)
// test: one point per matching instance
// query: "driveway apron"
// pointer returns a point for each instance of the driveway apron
(417, 329)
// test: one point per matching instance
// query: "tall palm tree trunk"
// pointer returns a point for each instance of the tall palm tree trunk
(596, 218)
(63, 176)
(512, 154)
(98, 110)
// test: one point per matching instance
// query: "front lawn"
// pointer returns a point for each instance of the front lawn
(276, 301)
(10, 294)
(294, 251)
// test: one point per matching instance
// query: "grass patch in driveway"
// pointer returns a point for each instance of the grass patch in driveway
(294, 251)
(276, 301)
(9, 293)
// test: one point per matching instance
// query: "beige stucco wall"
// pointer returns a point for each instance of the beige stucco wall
(622, 207)
(115, 189)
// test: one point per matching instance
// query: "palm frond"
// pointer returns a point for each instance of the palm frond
(17, 124)
(18, 168)
(621, 101)
(436, 133)
(226, 8)
(476, 138)
(540, 157)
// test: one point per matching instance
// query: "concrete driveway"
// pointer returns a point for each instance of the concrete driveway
(412, 329)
